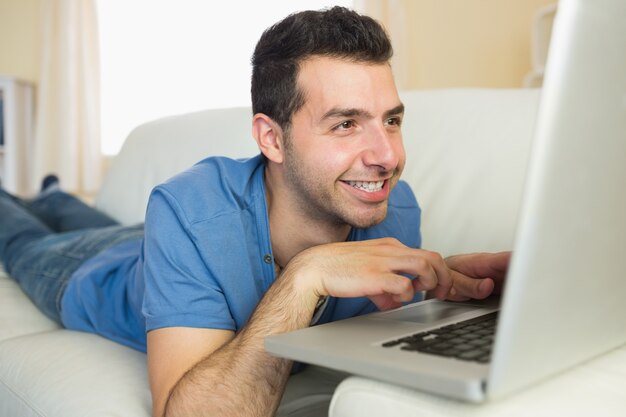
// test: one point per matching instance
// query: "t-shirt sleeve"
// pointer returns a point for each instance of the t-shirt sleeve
(179, 288)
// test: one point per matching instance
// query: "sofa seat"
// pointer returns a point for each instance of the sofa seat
(49, 373)
(18, 316)
(46, 370)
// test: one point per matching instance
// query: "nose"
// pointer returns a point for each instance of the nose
(383, 148)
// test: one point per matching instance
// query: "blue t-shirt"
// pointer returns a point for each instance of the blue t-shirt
(104, 296)
(207, 257)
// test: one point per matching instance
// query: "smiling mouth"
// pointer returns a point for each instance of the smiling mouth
(367, 186)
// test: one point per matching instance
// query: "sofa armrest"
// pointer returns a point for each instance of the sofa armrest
(595, 388)
(157, 150)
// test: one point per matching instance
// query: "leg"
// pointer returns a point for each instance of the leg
(42, 261)
(44, 268)
(63, 212)
(18, 227)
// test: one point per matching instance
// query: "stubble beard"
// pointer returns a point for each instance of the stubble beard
(312, 198)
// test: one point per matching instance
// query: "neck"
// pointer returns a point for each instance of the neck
(292, 231)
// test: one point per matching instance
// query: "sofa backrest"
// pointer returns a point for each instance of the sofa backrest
(467, 152)
(466, 159)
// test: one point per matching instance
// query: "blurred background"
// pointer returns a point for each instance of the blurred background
(79, 75)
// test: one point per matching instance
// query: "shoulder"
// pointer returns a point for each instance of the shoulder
(402, 197)
(212, 187)
(216, 174)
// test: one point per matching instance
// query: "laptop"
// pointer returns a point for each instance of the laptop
(564, 300)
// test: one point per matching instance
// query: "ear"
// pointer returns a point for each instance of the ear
(268, 136)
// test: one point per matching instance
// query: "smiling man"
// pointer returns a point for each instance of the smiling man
(317, 228)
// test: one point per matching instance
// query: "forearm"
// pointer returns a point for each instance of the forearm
(241, 379)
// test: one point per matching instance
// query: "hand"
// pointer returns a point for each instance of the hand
(476, 276)
(371, 268)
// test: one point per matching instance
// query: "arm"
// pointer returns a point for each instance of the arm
(240, 378)
(172, 351)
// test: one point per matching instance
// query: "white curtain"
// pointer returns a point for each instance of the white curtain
(67, 140)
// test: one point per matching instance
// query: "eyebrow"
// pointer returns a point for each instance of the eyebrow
(354, 112)
(399, 109)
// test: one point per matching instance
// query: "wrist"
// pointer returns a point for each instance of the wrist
(305, 283)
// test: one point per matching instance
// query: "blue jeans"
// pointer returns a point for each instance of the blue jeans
(44, 240)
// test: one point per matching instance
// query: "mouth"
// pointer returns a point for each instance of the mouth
(367, 186)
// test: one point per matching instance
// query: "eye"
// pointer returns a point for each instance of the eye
(345, 125)
(393, 121)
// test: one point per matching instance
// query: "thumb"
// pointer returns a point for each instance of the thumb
(464, 287)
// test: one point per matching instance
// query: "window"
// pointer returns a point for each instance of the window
(163, 57)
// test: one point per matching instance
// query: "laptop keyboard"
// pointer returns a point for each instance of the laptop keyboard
(469, 340)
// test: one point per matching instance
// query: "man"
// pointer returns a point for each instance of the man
(315, 229)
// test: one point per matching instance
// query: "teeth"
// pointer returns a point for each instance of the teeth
(369, 186)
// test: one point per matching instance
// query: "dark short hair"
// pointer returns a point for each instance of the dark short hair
(337, 32)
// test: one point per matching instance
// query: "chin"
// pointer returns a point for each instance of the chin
(369, 221)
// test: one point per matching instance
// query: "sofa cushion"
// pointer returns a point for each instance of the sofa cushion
(64, 373)
(18, 315)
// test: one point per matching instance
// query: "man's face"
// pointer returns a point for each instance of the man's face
(344, 152)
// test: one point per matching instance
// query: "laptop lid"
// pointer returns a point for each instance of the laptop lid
(564, 298)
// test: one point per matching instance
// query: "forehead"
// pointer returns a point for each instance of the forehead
(329, 83)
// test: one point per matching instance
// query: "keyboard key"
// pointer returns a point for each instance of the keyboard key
(471, 354)
(471, 336)
(480, 342)
(484, 359)
(464, 346)
(392, 343)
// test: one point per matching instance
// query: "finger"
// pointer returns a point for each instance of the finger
(376, 267)
(444, 276)
(442, 283)
(426, 280)
(385, 301)
(419, 286)
(399, 287)
(492, 265)
(439, 292)
(429, 268)
(387, 287)
(466, 287)
(413, 263)
(457, 297)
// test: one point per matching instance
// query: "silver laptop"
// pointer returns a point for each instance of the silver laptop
(565, 295)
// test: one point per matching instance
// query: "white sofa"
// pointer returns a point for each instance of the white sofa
(467, 153)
